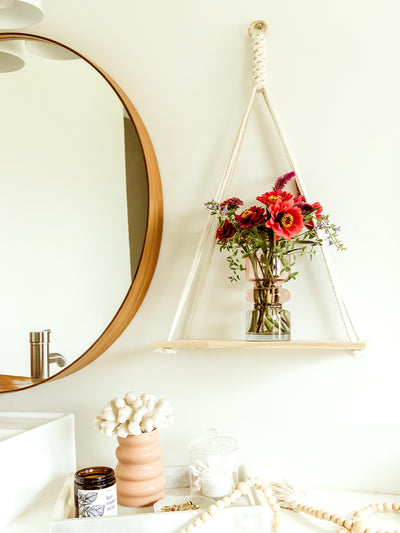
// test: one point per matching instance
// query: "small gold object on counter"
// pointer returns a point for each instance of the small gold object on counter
(187, 506)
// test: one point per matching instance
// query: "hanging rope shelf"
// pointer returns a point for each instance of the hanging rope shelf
(202, 259)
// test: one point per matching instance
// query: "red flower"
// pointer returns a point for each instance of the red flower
(226, 231)
(271, 197)
(318, 207)
(231, 203)
(286, 219)
(300, 202)
(251, 217)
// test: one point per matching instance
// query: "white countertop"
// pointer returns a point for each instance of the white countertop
(36, 519)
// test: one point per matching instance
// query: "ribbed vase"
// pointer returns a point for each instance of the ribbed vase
(139, 472)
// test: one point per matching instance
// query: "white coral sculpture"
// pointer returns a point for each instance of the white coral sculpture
(133, 414)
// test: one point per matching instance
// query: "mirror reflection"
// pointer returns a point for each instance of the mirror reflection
(73, 206)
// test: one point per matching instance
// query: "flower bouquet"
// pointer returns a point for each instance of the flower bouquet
(266, 239)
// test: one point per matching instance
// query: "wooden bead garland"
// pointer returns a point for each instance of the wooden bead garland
(356, 524)
(241, 489)
(287, 497)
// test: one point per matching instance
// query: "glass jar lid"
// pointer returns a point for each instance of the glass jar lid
(212, 443)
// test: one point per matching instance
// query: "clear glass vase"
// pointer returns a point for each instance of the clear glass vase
(267, 321)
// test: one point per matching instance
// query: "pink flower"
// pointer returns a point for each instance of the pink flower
(286, 219)
(283, 181)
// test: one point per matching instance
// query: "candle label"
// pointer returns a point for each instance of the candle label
(101, 502)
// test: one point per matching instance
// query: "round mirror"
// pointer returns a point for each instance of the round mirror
(81, 212)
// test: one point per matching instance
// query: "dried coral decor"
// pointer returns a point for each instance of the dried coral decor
(202, 259)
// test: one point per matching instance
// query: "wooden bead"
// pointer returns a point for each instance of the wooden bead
(369, 530)
(358, 527)
(320, 514)
(212, 510)
(190, 528)
(198, 522)
(387, 507)
(379, 507)
(275, 508)
(267, 492)
(348, 524)
(373, 507)
(243, 488)
(359, 514)
(237, 493)
(340, 521)
(395, 506)
(233, 497)
(272, 500)
(226, 501)
(327, 515)
(220, 504)
(205, 516)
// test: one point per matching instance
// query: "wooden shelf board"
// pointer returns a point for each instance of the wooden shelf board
(200, 344)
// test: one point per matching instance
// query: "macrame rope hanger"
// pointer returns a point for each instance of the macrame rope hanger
(202, 259)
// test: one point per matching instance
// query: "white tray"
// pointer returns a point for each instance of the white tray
(249, 514)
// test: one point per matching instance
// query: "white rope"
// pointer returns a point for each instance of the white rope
(207, 240)
(333, 278)
(209, 228)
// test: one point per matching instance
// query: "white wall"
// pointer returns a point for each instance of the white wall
(317, 418)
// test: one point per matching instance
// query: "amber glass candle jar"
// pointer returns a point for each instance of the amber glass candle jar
(95, 492)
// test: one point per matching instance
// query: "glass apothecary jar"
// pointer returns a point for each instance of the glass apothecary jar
(213, 464)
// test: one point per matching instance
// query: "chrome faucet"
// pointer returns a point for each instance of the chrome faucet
(40, 356)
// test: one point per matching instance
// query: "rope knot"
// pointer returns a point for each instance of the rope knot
(258, 54)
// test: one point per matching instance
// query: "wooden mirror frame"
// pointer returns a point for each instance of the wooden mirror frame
(151, 247)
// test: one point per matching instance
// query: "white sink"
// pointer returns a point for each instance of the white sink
(36, 449)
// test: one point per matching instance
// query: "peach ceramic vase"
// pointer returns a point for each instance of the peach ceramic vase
(139, 472)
